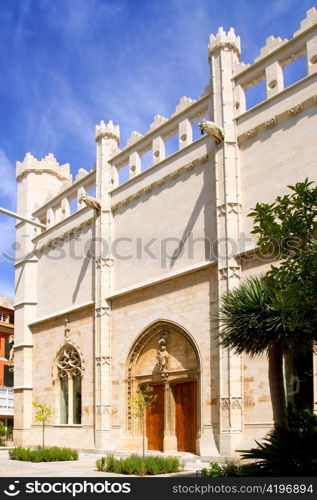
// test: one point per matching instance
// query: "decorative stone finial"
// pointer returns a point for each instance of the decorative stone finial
(272, 44)
(158, 120)
(108, 130)
(224, 39)
(310, 19)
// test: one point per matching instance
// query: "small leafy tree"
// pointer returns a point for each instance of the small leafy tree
(287, 229)
(3, 433)
(43, 414)
(142, 400)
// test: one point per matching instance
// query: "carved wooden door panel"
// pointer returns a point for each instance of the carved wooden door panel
(155, 420)
(186, 416)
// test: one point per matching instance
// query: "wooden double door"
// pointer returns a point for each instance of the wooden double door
(185, 397)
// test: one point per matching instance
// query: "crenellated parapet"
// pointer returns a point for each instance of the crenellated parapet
(157, 122)
(48, 165)
(308, 22)
(183, 104)
(224, 39)
(272, 43)
(134, 137)
(275, 55)
(109, 131)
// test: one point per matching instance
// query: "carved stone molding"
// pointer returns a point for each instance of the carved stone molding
(51, 244)
(251, 133)
(225, 404)
(224, 45)
(159, 183)
(69, 360)
(102, 360)
(69, 363)
(296, 109)
(281, 117)
(102, 311)
(104, 261)
(175, 174)
(229, 272)
(169, 407)
(270, 123)
(233, 403)
(164, 329)
(102, 409)
(228, 208)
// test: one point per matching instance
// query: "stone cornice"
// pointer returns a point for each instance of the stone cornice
(224, 45)
(160, 182)
(41, 171)
(278, 118)
(163, 278)
(69, 310)
(62, 236)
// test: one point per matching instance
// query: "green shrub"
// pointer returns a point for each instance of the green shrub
(140, 466)
(228, 469)
(288, 452)
(216, 470)
(54, 454)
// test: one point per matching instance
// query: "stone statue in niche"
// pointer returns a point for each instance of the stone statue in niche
(162, 354)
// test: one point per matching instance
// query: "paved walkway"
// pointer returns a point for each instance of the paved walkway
(85, 467)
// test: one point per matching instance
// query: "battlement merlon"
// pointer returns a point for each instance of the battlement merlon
(39, 181)
(109, 131)
(48, 165)
(222, 40)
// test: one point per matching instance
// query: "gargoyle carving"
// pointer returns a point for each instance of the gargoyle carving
(90, 201)
(211, 129)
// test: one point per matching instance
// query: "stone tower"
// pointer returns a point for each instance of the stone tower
(37, 181)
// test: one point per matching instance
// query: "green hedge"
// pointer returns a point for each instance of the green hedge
(228, 469)
(54, 454)
(140, 466)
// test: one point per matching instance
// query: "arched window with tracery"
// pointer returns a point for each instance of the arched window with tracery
(69, 372)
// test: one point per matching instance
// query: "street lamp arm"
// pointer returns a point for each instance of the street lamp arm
(20, 217)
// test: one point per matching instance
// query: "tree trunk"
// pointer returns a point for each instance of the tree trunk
(276, 382)
(143, 433)
(43, 433)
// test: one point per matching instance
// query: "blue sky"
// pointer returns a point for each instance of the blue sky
(67, 64)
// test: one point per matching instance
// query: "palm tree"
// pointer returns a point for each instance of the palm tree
(252, 322)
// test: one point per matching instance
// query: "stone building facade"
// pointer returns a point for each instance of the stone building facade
(6, 361)
(117, 288)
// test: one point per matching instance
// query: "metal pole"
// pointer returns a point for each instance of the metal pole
(20, 217)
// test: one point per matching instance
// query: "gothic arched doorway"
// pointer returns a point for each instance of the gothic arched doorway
(166, 358)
